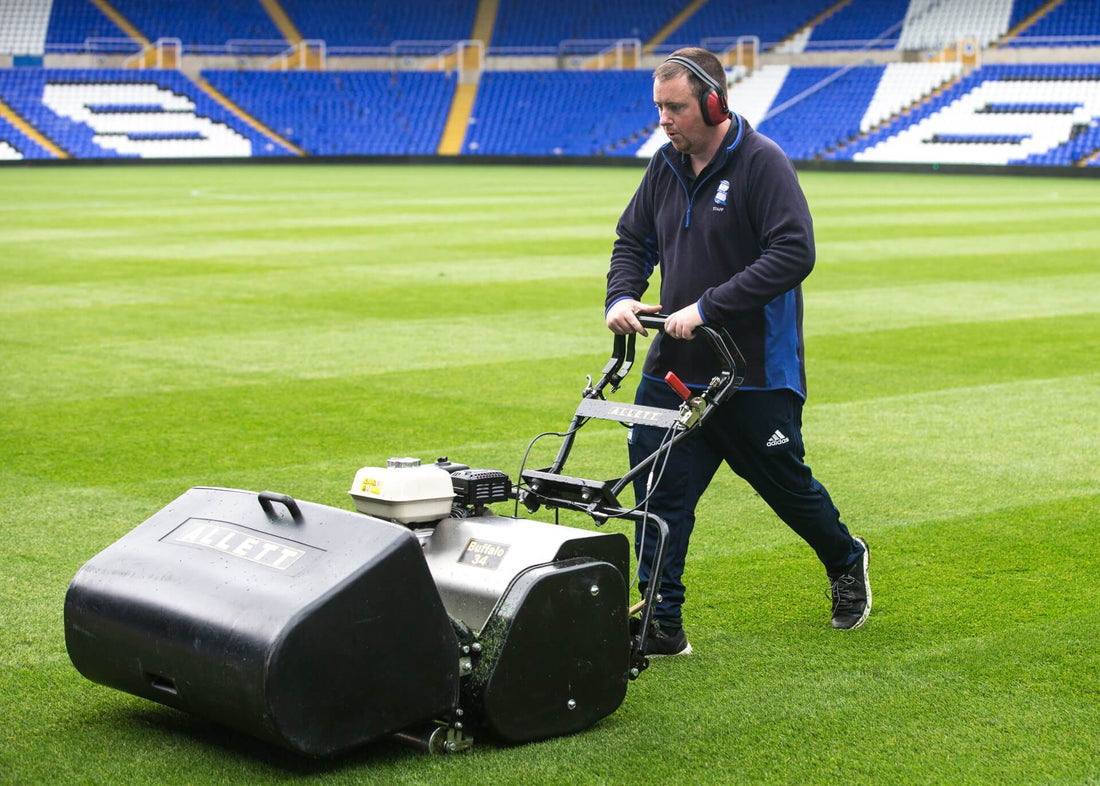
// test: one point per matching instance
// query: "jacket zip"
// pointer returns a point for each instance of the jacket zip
(690, 195)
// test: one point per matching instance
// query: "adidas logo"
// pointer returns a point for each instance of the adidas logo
(778, 438)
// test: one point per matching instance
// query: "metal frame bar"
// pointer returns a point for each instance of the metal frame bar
(597, 503)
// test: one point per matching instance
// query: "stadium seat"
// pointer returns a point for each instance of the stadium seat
(997, 115)
(199, 23)
(1072, 23)
(770, 22)
(521, 24)
(901, 85)
(104, 113)
(23, 25)
(932, 24)
(595, 113)
(357, 23)
(76, 22)
(860, 23)
(15, 145)
(829, 106)
(336, 113)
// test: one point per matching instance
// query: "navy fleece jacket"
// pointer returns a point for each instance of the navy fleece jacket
(737, 240)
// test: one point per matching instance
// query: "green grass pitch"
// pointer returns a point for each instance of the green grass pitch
(278, 327)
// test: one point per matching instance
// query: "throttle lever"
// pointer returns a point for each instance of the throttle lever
(678, 387)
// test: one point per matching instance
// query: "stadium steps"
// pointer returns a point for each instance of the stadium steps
(672, 26)
(30, 131)
(224, 100)
(148, 56)
(462, 104)
(454, 132)
(282, 21)
(934, 93)
(832, 10)
(485, 21)
(122, 22)
(1089, 160)
(300, 55)
(482, 31)
(1038, 14)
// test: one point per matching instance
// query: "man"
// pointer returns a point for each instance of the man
(720, 210)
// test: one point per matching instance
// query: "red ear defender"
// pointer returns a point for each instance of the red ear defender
(714, 108)
(712, 103)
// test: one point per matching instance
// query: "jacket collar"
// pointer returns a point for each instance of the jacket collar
(735, 134)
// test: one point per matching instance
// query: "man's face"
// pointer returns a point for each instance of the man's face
(681, 117)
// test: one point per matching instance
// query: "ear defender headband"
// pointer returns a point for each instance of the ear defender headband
(713, 102)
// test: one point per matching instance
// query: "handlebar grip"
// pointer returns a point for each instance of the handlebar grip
(655, 321)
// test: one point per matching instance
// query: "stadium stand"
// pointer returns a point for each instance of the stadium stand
(1023, 9)
(902, 85)
(852, 80)
(874, 24)
(807, 114)
(556, 113)
(521, 23)
(15, 145)
(76, 22)
(338, 113)
(359, 23)
(112, 113)
(997, 115)
(1072, 23)
(753, 95)
(933, 24)
(23, 27)
(199, 22)
(770, 22)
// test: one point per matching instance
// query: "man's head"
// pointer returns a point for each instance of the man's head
(689, 90)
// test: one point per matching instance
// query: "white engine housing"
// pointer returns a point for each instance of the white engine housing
(403, 491)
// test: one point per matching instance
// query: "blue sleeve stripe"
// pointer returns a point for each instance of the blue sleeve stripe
(616, 300)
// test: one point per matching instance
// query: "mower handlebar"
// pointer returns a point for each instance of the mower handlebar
(655, 321)
(733, 362)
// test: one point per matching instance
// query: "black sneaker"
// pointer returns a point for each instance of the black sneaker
(851, 593)
(662, 641)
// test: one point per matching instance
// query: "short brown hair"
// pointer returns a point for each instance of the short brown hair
(707, 61)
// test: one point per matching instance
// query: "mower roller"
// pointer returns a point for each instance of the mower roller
(421, 615)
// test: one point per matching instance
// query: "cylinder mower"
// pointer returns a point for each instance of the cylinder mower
(421, 615)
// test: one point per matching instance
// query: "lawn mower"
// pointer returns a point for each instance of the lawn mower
(420, 615)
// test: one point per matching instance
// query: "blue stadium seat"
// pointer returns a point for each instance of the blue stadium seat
(200, 22)
(76, 21)
(860, 21)
(770, 22)
(20, 142)
(823, 118)
(336, 113)
(1044, 119)
(1075, 21)
(25, 90)
(561, 113)
(359, 23)
(524, 24)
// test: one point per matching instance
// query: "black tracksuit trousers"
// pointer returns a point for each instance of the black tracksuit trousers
(758, 433)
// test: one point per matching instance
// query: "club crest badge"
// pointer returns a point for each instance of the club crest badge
(720, 194)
